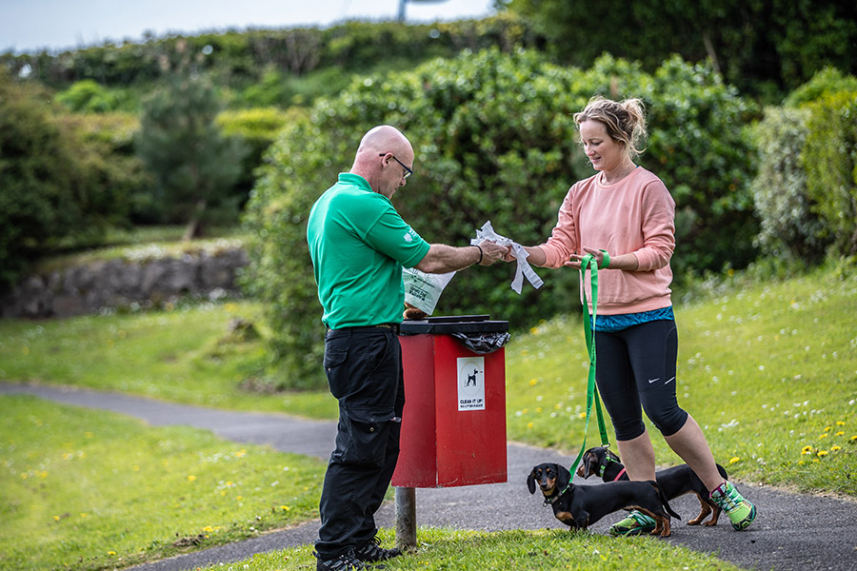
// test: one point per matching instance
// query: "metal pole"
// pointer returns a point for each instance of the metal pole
(402, 10)
(406, 519)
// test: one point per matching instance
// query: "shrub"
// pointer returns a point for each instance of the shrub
(88, 96)
(495, 140)
(194, 165)
(257, 129)
(788, 225)
(49, 189)
(830, 159)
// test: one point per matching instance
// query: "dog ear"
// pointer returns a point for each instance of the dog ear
(585, 469)
(531, 481)
(613, 456)
(563, 476)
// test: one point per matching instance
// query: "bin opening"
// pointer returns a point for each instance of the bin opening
(482, 343)
(478, 333)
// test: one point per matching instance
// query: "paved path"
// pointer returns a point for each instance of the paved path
(792, 532)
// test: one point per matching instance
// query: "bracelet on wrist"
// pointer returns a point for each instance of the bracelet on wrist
(481, 253)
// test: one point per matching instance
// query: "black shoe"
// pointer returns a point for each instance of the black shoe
(345, 562)
(373, 552)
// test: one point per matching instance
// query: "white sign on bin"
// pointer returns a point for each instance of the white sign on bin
(471, 383)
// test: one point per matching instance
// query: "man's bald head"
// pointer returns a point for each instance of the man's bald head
(384, 139)
(374, 159)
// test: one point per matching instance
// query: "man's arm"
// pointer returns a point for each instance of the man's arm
(441, 258)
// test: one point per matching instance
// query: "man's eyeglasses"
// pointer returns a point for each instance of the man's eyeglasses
(408, 172)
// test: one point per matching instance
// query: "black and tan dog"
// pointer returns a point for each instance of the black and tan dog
(674, 482)
(581, 506)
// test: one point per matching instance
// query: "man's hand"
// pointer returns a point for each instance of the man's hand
(492, 252)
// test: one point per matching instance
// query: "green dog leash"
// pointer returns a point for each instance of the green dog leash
(589, 262)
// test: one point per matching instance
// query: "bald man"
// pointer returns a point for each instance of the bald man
(359, 245)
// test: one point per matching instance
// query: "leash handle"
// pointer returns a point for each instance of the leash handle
(589, 262)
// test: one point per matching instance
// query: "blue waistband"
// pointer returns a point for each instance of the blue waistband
(611, 323)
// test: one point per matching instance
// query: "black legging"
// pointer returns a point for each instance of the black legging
(636, 367)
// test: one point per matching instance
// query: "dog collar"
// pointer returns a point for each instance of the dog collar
(552, 500)
(603, 467)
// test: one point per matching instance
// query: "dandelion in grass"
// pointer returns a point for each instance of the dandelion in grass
(285, 508)
(840, 423)
(840, 433)
(806, 450)
(734, 460)
(835, 448)
(191, 478)
(582, 415)
(533, 382)
(822, 453)
(530, 425)
(111, 553)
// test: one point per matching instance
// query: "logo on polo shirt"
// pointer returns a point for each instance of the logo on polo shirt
(410, 235)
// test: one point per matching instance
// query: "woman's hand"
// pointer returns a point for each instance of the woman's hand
(627, 262)
(577, 259)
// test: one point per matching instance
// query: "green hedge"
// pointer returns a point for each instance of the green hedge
(495, 140)
(64, 178)
(789, 227)
(830, 159)
(806, 190)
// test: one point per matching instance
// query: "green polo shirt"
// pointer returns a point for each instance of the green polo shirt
(358, 244)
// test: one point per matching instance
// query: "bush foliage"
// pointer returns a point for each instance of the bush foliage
(806, 190)
(63, 179)
(789, 227)
(830, 159)
(194, 165)
(495, 140)
(765, 48)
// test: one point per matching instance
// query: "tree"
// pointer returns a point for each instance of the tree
(194, 165)
(762, 46)
(44, 188)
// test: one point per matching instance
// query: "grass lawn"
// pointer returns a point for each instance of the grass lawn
(182, 355)
(768, 370)
(543, 550)
(88, 490)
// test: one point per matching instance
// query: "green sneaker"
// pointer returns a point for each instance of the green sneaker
(635, 524)
(741, 512)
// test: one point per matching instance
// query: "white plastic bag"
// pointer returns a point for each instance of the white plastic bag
(423, 290)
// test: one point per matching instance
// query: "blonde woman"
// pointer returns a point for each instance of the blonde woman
(624, 217)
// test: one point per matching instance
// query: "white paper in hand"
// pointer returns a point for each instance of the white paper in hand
(524, 269)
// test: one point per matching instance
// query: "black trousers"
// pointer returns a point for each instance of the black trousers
(636, 369)
(364, 371)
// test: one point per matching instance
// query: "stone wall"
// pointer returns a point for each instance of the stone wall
(124, 284)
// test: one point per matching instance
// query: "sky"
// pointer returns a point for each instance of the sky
(56, 25)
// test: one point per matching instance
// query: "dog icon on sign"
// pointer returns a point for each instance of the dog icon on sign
(471, 379)
(471, 383)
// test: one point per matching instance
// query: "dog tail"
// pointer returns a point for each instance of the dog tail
(665, 501)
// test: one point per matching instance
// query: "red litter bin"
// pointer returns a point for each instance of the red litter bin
(454, 422)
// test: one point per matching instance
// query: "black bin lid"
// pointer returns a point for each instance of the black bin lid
(453, 324)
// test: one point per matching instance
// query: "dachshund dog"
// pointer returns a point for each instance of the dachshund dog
(674, 482)
(580, 506)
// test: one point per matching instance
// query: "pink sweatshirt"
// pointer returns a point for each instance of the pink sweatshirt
(637, 215)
